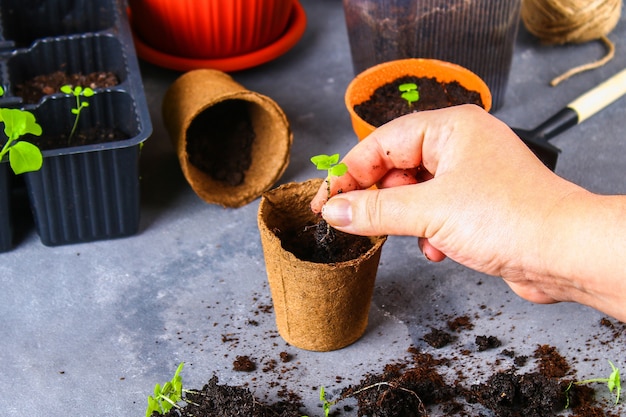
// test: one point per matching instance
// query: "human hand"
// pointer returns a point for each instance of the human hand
(466, 185)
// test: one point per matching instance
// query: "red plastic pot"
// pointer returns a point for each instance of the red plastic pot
(209, 28)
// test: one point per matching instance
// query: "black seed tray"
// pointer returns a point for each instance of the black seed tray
(82, 192)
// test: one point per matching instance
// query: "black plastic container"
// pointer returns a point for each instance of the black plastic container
(82, 193)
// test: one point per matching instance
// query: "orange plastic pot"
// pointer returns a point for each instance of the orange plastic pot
(364, 84)
(209, 28)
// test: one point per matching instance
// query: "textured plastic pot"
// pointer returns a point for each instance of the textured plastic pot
(209, 28)
(196, 95)
(364, 84)
(6, 225)
(476, 34)
(90, 192)
(318, 306)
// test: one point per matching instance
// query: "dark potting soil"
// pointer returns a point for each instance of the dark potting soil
(419, 386)
(386, 102)
(34, 89)
(219, 141)
(90, 136)
(323, 244)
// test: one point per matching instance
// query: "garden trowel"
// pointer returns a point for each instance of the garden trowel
(574, 113)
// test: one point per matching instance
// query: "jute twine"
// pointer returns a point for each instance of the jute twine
(573, 21)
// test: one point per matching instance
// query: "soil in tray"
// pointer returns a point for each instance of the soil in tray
(34, 89)
(219, 141)
(386, 103)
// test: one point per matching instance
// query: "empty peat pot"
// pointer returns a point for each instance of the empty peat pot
(318, 306)
(232, 143)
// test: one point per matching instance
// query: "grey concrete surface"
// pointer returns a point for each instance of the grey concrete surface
(90, 328)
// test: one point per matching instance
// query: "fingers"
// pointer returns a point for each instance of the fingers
(396, 145)
(430, 252)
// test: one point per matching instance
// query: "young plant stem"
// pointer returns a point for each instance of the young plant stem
(613, 382)
(77, 92)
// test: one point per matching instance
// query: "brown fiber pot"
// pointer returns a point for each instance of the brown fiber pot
(196, 92)
(318, 306)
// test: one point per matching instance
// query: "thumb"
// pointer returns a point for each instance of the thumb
(390, 211)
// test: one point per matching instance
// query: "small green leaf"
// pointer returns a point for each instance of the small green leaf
(67, 89)
(338, 170)
(614, 382)
(88, 92)
(407, 87)
(25, 157)
(325, 162)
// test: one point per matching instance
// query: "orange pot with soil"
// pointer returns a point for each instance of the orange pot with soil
(363, 86)
(232, 143)
(318, 306)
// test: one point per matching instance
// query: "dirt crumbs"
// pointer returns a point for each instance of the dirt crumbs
(244, 364)
(215, 400)
(423, 384)
(386, 103)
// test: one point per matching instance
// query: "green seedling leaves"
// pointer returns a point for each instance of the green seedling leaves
(19, 123)
(165, 397)
(409, 92)
(613, 383)
(23, 156)
(77, 92)
(332, 166)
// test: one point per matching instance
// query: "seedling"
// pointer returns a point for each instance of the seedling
(326, 405)
(613, 382)
(23, 156)
(332, 166)
(165, 397)
(77, 92)
(409, 92)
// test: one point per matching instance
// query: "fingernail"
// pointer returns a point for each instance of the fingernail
(337, 212)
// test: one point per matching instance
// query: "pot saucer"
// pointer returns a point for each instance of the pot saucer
(293, 33)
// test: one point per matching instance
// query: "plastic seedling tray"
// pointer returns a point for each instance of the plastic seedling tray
(82, 192)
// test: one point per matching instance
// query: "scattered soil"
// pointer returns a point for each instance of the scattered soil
(244, 364)
(420, 385)
(386, 103)
(34, 89)
(216, 400)
(323, 244)
(438, 338)
(219, 141)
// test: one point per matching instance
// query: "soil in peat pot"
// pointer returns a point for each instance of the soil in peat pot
(420, 385)
(386, 103)
(33, 90)
(225, 154)
(321, 243)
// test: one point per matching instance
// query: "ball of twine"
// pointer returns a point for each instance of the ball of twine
(573, 21)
